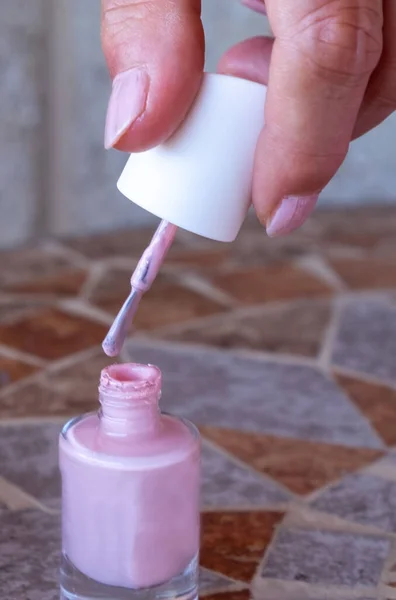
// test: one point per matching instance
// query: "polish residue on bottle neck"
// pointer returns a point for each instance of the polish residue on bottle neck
(129, 395)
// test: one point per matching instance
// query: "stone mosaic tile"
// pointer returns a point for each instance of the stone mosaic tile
(127, 243)
(209, 580)
(18, 267)
(29, 458)
(231, 595)
(366, 273)
(67, 283)
(80, 377)
(276, 589)
(205, 261)
(13, 308)
(51, 334)
(165, 303)
(224, 390)
(29, 555)
(362, 227)
(11, 370)
(295, 328)
(362, 498)
(226, 484)
(300, 465)
(366, 339)
(328, 558)
(233, 543)
(377, 403)
(37, 400)
(266, 284)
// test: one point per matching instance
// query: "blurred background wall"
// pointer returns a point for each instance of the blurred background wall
(55, 176)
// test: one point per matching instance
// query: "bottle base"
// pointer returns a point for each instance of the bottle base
(74, 585)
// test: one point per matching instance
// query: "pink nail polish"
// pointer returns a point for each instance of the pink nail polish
(130, 495)
(127, 103)
(291, 213)
(257, 5)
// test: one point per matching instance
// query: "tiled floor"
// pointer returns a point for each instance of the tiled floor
(283, 353)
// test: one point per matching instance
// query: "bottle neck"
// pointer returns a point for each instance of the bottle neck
(129, 395)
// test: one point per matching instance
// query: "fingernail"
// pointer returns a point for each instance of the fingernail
(257, 5)
(127, 103)
(291, 213)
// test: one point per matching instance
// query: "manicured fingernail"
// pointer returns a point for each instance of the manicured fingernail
(257, 5)
(127, 103)
(291, 213)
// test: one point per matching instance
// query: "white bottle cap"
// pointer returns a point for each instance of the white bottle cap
(201, 178)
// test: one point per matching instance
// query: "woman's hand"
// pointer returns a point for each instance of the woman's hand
(331, 76)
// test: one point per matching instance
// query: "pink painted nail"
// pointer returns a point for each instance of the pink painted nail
(291, 213)
(127, 103)
(257, 5)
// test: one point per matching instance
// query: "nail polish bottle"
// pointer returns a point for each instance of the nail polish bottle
(130, 495)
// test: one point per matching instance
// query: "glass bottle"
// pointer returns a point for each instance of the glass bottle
(130, 495)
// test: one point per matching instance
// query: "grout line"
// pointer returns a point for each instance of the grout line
(95, 274)
(80, 307)
(242, 464)
(246, 508)
(243, 354)
(222, 589)
(361, 376)
(330, 335)
(15, 498)
(318, 266)
(18, 355)
(56, 248)
(205, 288)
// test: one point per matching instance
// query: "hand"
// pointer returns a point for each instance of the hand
(331, 76)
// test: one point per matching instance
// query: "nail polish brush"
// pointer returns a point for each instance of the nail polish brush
(199, 180)
(141, 281)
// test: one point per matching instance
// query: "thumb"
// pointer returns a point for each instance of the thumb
(155, 53)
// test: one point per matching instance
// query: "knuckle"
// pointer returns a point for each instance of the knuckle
(121, 15)
(344, 39)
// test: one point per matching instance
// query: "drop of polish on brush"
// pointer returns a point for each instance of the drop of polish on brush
(141, 281)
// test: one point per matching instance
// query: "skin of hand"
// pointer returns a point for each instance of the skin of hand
(330, 71)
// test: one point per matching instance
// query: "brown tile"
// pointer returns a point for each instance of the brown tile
(266, 284)
(79, 379)
(66, 283)
(12, 370)
(27, 264)
(377, 402)
(366, 273)
(35, 400)
(13, 308)
(206, 261)
(166, 302)
(295, 328)
(241, 595)
(300, 465)
(361, 227)
(51, 334)
(124, 242)
(233, 543)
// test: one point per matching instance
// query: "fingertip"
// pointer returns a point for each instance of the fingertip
(249, 59)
